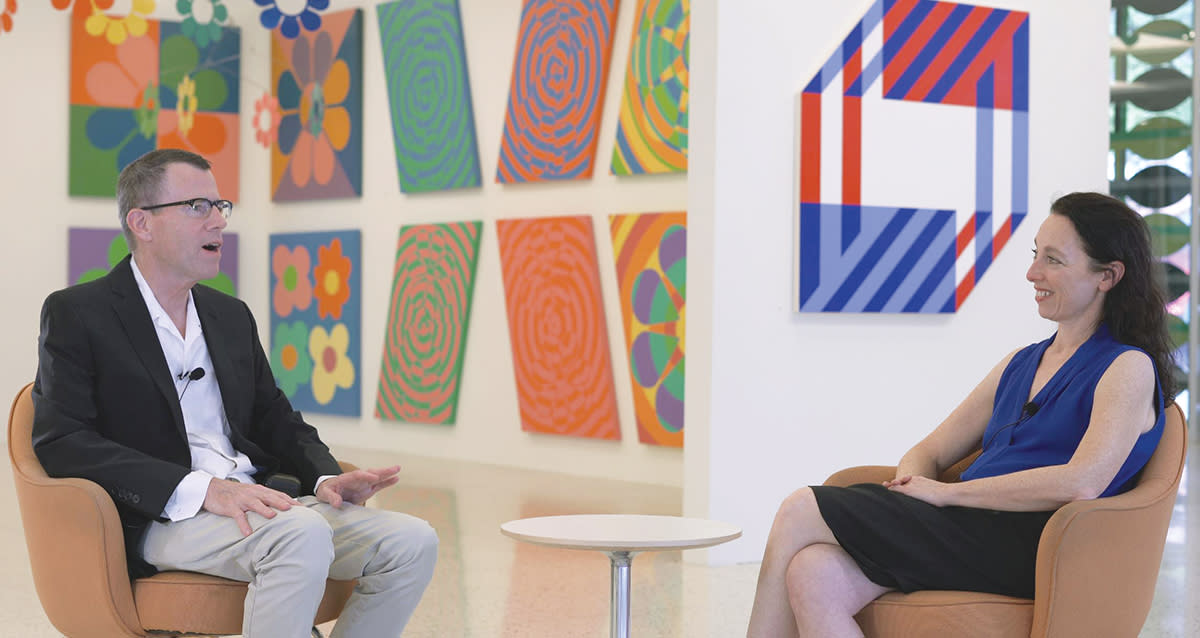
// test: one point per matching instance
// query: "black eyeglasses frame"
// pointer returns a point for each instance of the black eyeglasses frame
(223, 206)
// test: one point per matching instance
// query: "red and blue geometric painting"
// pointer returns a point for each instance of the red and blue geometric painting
(913, 158)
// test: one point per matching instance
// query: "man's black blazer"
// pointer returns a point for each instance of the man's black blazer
(106, 409)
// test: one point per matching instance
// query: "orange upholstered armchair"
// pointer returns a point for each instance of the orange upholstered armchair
(77, 553)
(1086, 549)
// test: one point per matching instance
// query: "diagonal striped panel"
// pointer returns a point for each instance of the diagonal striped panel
(900, 260)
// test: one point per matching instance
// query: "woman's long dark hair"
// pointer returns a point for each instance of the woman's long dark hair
(1134, 309)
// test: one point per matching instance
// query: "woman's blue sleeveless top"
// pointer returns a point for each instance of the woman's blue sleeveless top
(1020, 437)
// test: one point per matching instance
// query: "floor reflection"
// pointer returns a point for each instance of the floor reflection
(488, 585)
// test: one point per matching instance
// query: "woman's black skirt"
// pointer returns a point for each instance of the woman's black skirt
(907, 544)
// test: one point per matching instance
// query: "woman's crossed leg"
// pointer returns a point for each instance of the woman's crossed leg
(808, 585)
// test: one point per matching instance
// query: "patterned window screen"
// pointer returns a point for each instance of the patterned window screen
(1150, 151)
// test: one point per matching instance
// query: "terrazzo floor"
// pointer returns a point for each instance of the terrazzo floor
(488, 585)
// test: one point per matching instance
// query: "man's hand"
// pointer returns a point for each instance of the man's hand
(357, 486)
(233, 499)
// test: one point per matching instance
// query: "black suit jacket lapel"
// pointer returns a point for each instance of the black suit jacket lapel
(143, 335)
(227, 375)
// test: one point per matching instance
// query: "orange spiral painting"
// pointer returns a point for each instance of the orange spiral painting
(556, 322)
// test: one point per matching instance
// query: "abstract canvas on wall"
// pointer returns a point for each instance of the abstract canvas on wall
(427, 322)
(159, 90)
(913, 158)
(557, 91)
(316, 319)
(556, 323)
(650, 251)
(432, 121)
(92, 252)
(317, 78)
(652, 132)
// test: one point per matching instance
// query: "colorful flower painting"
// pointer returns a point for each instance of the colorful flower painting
(650, 252)
(92, 252)
(426, 338)
(126, 100)
(317, 78)
(316, 319)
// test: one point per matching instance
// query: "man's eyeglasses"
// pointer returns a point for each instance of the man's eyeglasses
(199, 207)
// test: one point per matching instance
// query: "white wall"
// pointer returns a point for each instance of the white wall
(796, 397)
(34, 61)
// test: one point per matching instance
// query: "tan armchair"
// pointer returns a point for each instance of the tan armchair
(1097, 563)
(77, 553)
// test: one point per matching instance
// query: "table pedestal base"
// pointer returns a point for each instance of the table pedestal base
(620, 593)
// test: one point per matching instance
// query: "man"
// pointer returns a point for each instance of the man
(158, 390)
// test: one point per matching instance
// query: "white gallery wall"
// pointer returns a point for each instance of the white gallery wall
(34, 62)
(775, 400)
(787, 398)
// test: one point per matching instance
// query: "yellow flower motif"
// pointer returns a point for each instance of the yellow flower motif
(332, 369)
(186, 104)
(118, 28)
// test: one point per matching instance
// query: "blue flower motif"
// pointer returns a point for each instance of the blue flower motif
(289, 25)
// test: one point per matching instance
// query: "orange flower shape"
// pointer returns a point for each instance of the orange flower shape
(266, 119)
(83, 8)
(332, 277)
(10, 8)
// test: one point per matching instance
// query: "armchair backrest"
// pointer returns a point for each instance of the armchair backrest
(1098, 561)
(75, 541)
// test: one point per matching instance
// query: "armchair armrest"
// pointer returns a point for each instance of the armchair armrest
(861, 474)
(1083, 545)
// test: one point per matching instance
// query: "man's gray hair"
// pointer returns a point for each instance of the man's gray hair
(141, 181)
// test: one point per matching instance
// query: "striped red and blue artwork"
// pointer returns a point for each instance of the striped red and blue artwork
(913, 158)
(557, 92)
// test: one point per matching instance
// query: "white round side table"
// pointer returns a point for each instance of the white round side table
(621, 536)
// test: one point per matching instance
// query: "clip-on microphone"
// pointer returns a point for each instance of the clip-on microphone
(1028, 410)
(193, 375)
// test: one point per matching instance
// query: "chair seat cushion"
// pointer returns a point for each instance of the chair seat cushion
(946, 614)
(197, 603)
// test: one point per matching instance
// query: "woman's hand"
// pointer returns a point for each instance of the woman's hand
(922, 488)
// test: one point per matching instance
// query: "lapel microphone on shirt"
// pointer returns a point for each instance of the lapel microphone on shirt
(1028, 410)
(191, 375)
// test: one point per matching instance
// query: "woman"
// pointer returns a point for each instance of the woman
(1073, 417)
